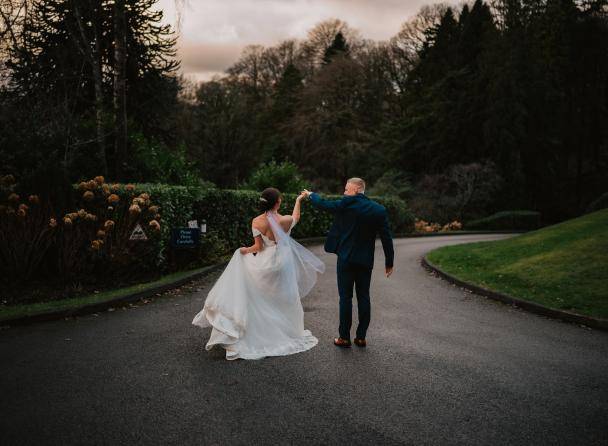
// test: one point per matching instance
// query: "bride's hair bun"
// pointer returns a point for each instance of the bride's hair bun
(269, 198)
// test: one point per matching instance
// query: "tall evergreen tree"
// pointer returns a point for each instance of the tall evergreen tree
(338, 47)
(67, 66)
(285, 102)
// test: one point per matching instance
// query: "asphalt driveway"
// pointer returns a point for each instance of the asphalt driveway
(442, 366)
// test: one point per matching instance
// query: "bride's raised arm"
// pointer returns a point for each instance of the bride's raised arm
(296, 208)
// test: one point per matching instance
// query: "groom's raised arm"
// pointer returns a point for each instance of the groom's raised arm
(325, 205)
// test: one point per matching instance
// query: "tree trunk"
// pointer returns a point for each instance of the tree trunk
(94, 58)
(98, 82)
(120, 88)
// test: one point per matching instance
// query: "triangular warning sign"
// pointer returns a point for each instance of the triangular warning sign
(138, 233)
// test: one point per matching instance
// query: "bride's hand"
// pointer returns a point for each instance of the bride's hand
(243, 250)
(301, 196)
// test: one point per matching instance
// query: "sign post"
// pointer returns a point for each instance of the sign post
(185, 237)
(138, 233)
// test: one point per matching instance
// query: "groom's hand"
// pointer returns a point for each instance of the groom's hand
(307, 193)
(389, 271)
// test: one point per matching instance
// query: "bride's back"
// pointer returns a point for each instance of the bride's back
(261, 224)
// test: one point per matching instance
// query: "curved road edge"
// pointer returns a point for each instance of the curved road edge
(597, 323)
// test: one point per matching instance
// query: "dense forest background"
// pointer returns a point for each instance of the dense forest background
(466, 111)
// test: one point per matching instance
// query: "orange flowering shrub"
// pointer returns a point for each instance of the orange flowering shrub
(109, 214)
(88, 244)
(27, 232)
(452, 226)
(424, 226)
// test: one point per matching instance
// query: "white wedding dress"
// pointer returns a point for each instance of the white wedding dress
(254, 307)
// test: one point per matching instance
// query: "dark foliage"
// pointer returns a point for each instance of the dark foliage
(507, 220)
(57, 106)
(521, 85)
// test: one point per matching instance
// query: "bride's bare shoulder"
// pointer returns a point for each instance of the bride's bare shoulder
(259, 222)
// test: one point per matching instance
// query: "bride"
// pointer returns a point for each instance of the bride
(254, 307)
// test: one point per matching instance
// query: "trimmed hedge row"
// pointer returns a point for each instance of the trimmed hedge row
(228, 214)
(507, 220)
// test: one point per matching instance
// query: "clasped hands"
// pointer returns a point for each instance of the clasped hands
(304, 194)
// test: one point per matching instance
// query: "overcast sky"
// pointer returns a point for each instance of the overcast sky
(213, 32)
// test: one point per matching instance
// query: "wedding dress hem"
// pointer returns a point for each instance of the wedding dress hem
(293, 346)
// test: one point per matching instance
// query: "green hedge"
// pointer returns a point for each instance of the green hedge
(228, 214)
(65, 260)
(507, 220)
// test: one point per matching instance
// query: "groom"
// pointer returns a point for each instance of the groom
(357, 220)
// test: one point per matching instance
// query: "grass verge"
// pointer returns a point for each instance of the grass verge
(564, 266)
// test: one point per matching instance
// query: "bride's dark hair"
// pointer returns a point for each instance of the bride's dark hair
(269, 198)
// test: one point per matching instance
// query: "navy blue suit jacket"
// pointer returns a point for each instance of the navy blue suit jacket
(357, 221)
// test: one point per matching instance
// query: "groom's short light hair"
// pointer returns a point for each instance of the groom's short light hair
(359, 182)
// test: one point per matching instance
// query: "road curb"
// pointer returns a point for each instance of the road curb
(600, 324)
(440, 234)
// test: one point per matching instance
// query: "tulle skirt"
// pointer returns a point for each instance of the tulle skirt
(255, 308)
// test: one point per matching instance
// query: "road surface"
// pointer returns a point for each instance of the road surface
(442, 367)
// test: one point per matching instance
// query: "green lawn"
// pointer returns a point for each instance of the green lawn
(564, 266)
(14, 311)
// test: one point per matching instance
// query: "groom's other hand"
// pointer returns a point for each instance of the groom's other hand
(389, 271)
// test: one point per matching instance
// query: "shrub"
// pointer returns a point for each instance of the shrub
(109, 214)
(154, 161)
(27, 230)
(462, 191)
(507, 220)
(424, 226)
(176, 206)
(599, 203)
(392, 183)
(89, 246)
(285, 176)
(230, 214)
(400, 216)
(452, 226)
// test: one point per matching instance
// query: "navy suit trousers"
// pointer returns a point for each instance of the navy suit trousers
(352, 275)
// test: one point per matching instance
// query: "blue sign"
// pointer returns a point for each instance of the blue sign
(185, 237)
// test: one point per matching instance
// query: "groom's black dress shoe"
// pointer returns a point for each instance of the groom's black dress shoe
(340, 342)
(360, 342)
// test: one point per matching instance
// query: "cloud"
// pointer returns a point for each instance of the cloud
(213, 32)
(214, 57)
